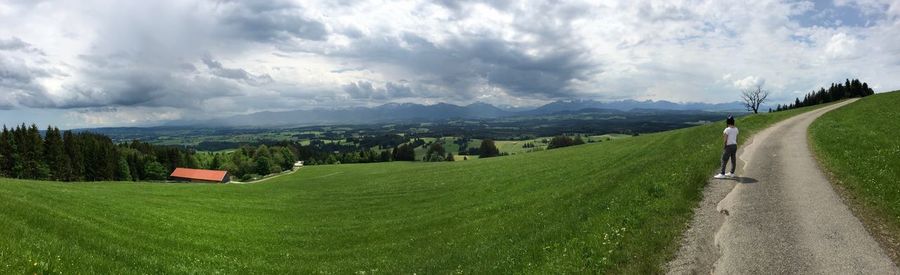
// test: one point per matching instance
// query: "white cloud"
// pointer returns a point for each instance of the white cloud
(203, 57)
(841, 45)
(749, 82)
(111, 116)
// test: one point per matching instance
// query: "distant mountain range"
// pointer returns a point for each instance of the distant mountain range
(406, 112)
(628, 105)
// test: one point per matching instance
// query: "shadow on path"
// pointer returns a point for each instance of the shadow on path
(742, 180)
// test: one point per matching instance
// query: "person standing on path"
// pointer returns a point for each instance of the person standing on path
(730, 137)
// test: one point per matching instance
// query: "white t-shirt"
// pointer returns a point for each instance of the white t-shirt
(732, 133)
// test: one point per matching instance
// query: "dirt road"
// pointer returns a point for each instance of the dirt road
(780, 216)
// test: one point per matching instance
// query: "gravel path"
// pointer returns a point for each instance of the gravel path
(780, 216)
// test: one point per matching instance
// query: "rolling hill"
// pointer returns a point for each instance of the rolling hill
(398, 112)
(610, 207)
(627, 105)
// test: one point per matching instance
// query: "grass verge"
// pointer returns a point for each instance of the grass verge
(858, 146)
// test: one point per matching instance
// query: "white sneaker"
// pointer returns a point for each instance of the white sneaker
(719, 176)
(730, 175)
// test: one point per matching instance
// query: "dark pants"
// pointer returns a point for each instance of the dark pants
(730, 152)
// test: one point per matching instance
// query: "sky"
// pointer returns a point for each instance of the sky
(91, 63)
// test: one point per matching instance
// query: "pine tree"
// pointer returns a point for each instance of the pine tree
(560, 141)
(216, 163)
(53, 152)
(488, 149)
(19, 148)
(578, 140)
(155, 171)
(435, 152)
(6, 153)
(35, 167)
(848, 89)
(288, 158)
(385, 156)
(263, 151)
(191, 161)
(407, 153)
(263, 165)
(394, 153)
(123, 172)
(75, 152)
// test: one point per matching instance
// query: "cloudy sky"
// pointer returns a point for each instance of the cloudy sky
(93, 63)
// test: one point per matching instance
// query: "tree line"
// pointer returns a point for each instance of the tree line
(26, 153)
(249, 162)
(837, 91)
(487, 148)
(70, 156)
(564, 141)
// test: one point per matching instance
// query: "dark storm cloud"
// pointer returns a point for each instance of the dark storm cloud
(133, 63)
(366, 90)
(123, 91)
(460, 66)
(463, 63)
(147, 87)
(237, 74)
(267, 22)
(18, 79)
(13, 43)
(134, 80)
(98, 110)
(120, 79)
(168, 63)
(545, 76)
(150, 70)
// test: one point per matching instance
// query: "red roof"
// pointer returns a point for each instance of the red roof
(199, 174)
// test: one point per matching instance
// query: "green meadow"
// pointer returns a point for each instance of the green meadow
(616, 206)
(859, 145)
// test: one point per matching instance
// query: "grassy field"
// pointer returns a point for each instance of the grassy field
(510, 147)
(513, 147)
(606, 137)
(612, 207)
(859, 145)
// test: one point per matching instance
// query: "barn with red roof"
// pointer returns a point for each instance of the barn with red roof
(199, 175)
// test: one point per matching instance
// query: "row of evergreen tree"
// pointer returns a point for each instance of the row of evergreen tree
(70, 156)
(486, 149)
(564, 141)
(837, 91)
(26, 153)
(404, 152)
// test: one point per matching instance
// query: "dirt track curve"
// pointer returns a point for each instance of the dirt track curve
(779, 216)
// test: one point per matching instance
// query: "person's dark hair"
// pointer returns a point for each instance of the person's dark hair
(730, 120)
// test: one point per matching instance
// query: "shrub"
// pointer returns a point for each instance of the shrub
(488, 149)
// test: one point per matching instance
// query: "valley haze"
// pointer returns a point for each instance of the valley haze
(410, 112)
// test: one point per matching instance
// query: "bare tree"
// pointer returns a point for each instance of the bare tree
(754, 97)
